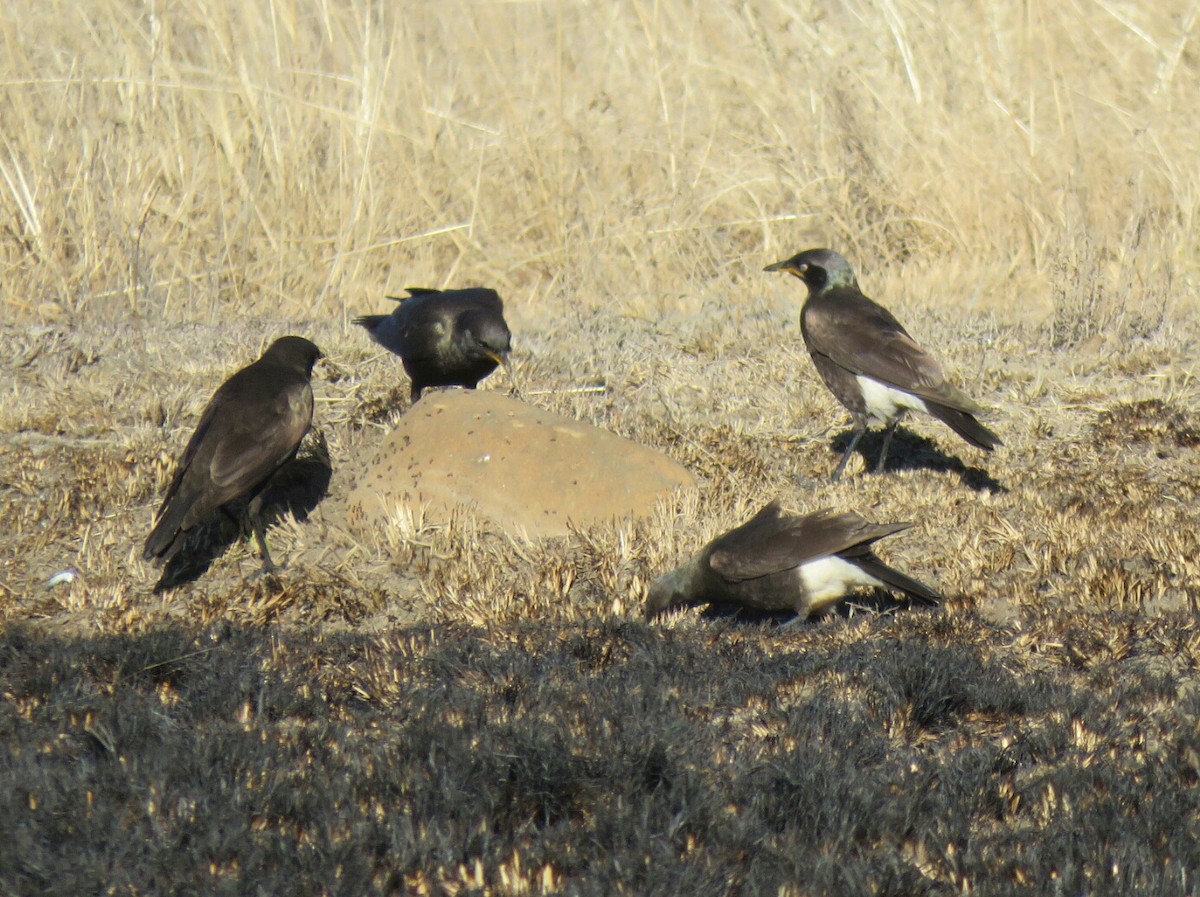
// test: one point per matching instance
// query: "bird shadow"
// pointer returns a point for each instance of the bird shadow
(296, 489)
(909, 451)
(877, 602)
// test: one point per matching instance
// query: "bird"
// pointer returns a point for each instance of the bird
(777, 561)
(444, 337)
(868, 360)
(252, 426)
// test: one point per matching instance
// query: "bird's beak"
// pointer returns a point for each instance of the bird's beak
(785, 265)
(502, 359)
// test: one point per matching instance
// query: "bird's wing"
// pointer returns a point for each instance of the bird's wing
(485, 298)
(207, 416)
(413, 292)
(472, 295)
(189, 454)
(422, 335)
(257, 434)
(456, 300)
(771, 542)
(865, 338)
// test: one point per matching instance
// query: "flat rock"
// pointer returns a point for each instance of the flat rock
(527, 470)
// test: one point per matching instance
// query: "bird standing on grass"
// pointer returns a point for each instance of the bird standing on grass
(781, 562)
(869, 362)
(444, 338)
(250, 428)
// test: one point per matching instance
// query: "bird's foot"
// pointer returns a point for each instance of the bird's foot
(268, 569)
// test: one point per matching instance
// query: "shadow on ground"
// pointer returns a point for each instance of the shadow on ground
(296, 489)
(911, 754)
(875, 601)
(909, 451)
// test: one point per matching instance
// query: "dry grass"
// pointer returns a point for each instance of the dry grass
(180, 183)
(207, 162)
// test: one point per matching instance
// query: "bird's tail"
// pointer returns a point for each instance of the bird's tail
(168, 536)
(873, 566)
(369, 321)
(965, 425)
(165, 539)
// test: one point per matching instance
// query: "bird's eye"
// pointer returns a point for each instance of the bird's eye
(804, 268)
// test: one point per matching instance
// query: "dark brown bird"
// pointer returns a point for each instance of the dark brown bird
(869, 362)
(781, 562)
(444, 337)
(251, 427)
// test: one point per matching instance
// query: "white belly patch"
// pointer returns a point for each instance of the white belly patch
(886, 403)
(828, 579)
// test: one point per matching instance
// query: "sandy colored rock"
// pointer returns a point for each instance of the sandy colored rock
(528, 470)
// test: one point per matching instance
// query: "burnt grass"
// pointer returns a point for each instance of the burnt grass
(902, 754)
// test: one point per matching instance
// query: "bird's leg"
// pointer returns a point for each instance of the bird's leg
(858, 434)
(887, 440)
(253, 514)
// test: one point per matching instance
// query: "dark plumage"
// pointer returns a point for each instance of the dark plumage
(780, 562)
(869, 362)
(444, 338)
(251, 426)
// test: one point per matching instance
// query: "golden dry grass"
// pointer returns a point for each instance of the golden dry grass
(181, 183)
(210, 161)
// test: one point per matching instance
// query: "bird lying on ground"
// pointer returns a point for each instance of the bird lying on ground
(784, 562)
